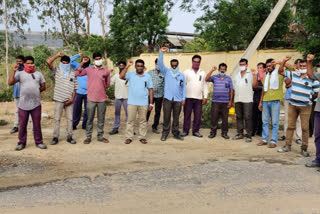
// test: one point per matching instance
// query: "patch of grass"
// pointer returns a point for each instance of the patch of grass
(3, 122)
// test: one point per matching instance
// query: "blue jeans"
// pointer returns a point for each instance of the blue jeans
(118, 103)
(270, 110)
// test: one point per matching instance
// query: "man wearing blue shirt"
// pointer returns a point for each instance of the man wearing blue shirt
(81, 94)
(16, 95)
(140, 91)
(174, 96)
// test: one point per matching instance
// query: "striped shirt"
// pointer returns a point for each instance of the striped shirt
(64, 86)
(221, 88)
(158, 83)
(302, 89)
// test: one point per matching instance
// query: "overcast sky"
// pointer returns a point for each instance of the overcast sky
(180, 21)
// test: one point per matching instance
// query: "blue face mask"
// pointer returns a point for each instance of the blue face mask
(175, 71)
(222, 74)
(65, 68)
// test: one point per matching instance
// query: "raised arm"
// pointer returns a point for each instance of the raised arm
(74, 64)
(12, 80)
(310, 58)
(214, 68)
(52, 59)
(162, 67)
(282, 65)
(79, 71)
(255, 81)
(108, 78)
(124, 71)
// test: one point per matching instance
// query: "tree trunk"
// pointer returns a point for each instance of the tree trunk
(7, 39)
(88, 20)
(62, 28)
(102, 21)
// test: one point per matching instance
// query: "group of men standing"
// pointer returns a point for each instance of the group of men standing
(256, 98)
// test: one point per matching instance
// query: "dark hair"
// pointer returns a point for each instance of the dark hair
(85, 65)
(20, 57)
(263, 65)
(96, 54)
(196, 57)
(65, 58)
(223, 65)
(297, 61)
(244, 60)
(303, 61)
(122, 62)
(174, 60)
(29, 58)
(269, 60)
(139, 61)
(156, 61)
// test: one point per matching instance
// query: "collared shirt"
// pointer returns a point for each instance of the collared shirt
(64, 85)
(302, 89)
(30, 89)
(121, 87)
(287, 96)
(174, 87)
(221, 88)
(16, 90)
(196, 84)
(158, 83)
(98, 82)
(82, 81)
(316, 76)
(243, 91)
(138, 88)
(273, 94)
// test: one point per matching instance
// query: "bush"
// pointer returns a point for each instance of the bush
(3, 122)
(6, 94)
(110, 92)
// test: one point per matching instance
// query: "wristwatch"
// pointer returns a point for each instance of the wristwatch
(151, 105)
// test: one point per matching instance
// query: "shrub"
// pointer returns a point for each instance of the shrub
(6, 94)
(110, 92)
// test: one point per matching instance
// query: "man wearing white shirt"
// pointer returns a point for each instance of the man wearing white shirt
(197, 94)
(121, 95)
(243, 83)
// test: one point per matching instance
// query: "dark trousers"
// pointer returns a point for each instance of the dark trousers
(256, 119)
(311, 120)
(317, 135)
(244, 115)
(77, 110)
(23, 123)
(219, 110)
(168, 108)
(158, 105)
(194, 105)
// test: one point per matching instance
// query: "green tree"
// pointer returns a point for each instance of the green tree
(231, 25)
(307, 27)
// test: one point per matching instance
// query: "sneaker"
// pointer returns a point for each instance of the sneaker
(313, 164)
(197, 134)
(284, 149)
(54, 141)
(238, 137)
(299, 141)
(304, 153)
(114, 131)
(282, 138)
(41, 146)
(248, 140)
(14, 130)
(20, 147)
(156, 131)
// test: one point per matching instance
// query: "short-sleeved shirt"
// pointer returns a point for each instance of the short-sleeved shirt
(243, 91)
(16, 89)
(221, 88)
(302, 90)
(121, 87)
(139, 88)
(316, 76)
(157, 82)
(273, 94)
(64, 85)
(29, 89)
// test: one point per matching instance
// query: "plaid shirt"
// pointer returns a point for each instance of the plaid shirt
(158, 83)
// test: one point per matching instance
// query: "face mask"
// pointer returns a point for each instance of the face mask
(157, 68)
(20, 67)
(303, 71)
(318, 70)
(242, 68)
(222, 74)
(195, 66)
(98, 62)
(65, 68)
(175, 71)
(29, 68)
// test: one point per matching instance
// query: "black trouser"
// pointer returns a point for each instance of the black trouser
(311, 120)
(256, 119)
(219, 110)
(175, 108)
(158, 106)
(244, 114)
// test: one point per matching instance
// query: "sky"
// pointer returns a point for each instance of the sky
(180, 21)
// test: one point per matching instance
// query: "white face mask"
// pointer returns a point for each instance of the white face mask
(318, 70)
(303, 71)
(242, 68)
(98, 62)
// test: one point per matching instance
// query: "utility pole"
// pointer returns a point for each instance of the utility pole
(261, 33)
